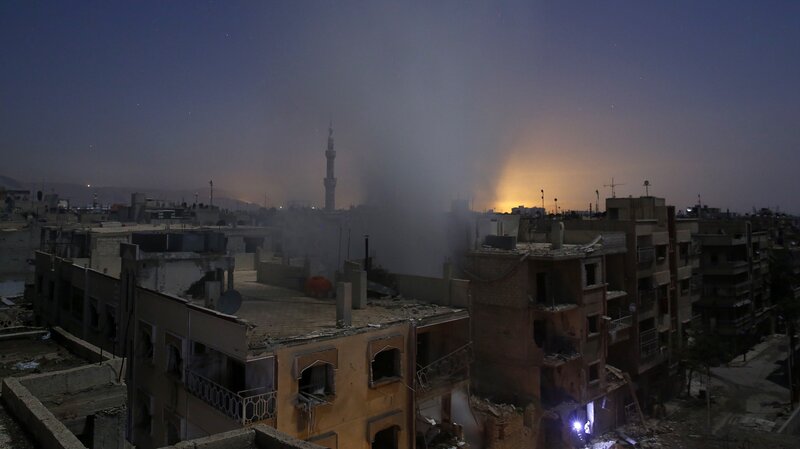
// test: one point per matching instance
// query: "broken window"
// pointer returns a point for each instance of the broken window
(144, 413)
(386, 438)
(593, 324)
(386, 365)
(94, 316)
(174, 347)
(146, 341)
(316, 383)
(594, 372)
(591, 274)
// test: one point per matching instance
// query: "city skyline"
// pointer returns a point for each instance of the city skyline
(429, 102)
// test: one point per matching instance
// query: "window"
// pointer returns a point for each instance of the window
(144, 413)
(111, 323)
(94, 316)
(316, 383)
(174, 427)
(591, 274)
(541, 288)
(594, 372)
(77, 303)
(146, 341)
(385, 366)
(593, 324)
(386, 438)
(174, 347)
(661, 253)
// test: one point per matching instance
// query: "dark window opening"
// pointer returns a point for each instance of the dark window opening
(386, 438)
(539, 332)
(591, 273)
(593, 323)
(94, 316)
(541, 287)
(174, 355)
(146, 343)
(316, 382)
(386, 365)
(594, 372)
(111, 323)
(423, 350)
(661, 252)
(77, 303)
(144, 414)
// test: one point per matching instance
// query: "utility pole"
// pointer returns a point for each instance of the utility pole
(543, 209)
(597, 203)
(211, 193)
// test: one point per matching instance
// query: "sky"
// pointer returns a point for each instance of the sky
(430, 101)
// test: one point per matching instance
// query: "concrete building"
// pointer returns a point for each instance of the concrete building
(541, 329)
(659, 276)
(736, 299)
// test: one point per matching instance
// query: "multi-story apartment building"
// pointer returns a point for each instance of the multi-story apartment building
(658, 274)
(541, 329)
(315, 369)
(735, 268)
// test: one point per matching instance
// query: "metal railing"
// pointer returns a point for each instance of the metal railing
(452, 367)
(246, 406)
(648, 343)
(646, 256)
(620, 323)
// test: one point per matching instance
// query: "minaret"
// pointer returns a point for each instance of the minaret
(330, 180)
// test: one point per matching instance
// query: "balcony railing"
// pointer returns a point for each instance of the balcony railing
(620, 323)
(450, 368)
(646, 256)
(245, 407)
(648, 343)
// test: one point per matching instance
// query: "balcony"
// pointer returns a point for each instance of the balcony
(648, 344)
(561, 349)
(244, 407)
(646, 256)
(445, 371)
(620, 329)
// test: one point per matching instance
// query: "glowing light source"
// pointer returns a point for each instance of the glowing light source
(576, 426)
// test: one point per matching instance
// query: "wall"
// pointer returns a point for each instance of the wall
(21, 397)
(245, 261)
(282, 275)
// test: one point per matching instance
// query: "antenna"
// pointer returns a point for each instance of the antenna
(646, 187)
(613, 185)
(543, 210)
(556, 201)
(211, 192)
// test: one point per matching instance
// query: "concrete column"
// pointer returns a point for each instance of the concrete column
(344, 304)
(359, 280)
(230, 279)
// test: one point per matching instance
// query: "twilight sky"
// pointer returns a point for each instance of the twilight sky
(430, 100)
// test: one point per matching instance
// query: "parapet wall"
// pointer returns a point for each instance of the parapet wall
(21, 396)
(281, 275)
(256, 437)
(453, 292)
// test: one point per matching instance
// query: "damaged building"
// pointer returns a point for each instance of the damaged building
(541, 328)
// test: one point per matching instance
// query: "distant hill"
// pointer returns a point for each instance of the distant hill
(80, 195)
(10, 183)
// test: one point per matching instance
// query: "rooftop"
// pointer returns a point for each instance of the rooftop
(279, 315)
(546, 250)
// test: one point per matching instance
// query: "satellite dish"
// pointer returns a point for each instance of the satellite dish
(229, 302)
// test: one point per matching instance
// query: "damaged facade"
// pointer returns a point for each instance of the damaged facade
(541, 332)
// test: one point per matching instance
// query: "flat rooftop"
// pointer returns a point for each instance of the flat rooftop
(546, 250)
(282, 316)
